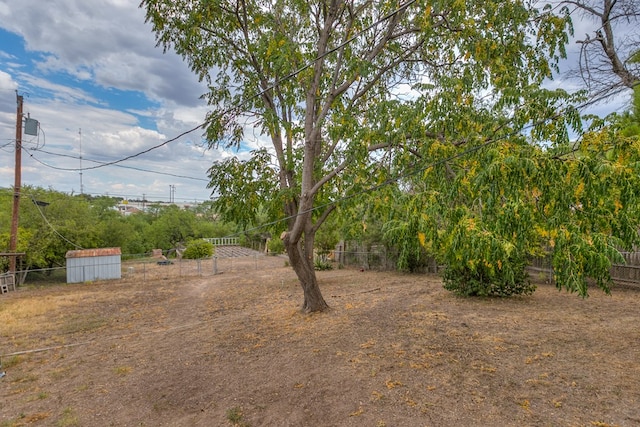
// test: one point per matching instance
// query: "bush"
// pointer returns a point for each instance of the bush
(275, 246)
(481, 279)
(321, 265)
(198, 249)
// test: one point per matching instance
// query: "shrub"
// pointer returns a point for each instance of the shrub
(321, 265)
(483, 279)
(198, 249)
(275, 246)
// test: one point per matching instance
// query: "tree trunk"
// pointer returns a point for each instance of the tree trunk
(302, 264)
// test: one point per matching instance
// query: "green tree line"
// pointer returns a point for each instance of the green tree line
(52, 223)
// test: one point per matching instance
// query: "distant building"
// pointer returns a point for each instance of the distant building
(127, 209)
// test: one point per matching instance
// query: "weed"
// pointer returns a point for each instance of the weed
(24, 419)
(122, 370)
(40, 396)
(525, 404)
(8, 423)
(10, 362)
(68, 419)
(357, 412)
(25, 378)
(162, 405)
(320, 265)
(60, 373)
(235, 417)
(393, 384)
(376, 395)
(80, 323)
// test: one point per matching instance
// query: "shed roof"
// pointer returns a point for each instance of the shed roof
(86, 253)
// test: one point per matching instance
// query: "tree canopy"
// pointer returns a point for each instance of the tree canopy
(52, 223)
(344, 89)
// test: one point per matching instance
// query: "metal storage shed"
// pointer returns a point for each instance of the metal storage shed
(87, 265)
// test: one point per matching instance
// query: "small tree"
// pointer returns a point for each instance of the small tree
(171, 227)
(275, 246)
(198, 249)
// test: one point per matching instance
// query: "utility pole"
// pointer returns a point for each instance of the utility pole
(80, 135)
(13, 241)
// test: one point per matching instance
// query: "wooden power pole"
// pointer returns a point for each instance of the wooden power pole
(13, 241)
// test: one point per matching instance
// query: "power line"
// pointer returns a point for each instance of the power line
(155, 147)
(104, 163)
(270, 87)
(149, 198)
(55, 231)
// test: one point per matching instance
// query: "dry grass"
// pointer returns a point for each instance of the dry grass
(37, 313)
(393, 350)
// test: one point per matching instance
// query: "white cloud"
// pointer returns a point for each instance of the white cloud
(59, 92)
(76, 47)
(105, 40)
(80, 51)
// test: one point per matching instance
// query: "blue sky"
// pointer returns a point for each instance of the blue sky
(91, 74)
(94, 65)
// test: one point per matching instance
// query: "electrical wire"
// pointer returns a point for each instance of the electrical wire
(269, 88)
(102, 163)
(55, 231)
(155, 147)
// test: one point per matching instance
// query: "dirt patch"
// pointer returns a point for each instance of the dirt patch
(394, 350)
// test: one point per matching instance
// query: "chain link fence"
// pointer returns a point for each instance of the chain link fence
(179, 268)
(145, 268)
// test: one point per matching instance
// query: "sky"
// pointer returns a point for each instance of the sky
(91, 74)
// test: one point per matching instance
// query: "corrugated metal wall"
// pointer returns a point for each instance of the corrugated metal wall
(88, 269)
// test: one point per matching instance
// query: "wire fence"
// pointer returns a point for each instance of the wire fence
(145, 267)
(179, 268)
(148, 268)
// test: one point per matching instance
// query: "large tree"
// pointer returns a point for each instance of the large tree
(332, 85)
(485, 214)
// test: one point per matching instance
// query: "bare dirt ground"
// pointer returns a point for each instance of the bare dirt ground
(394, 350)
